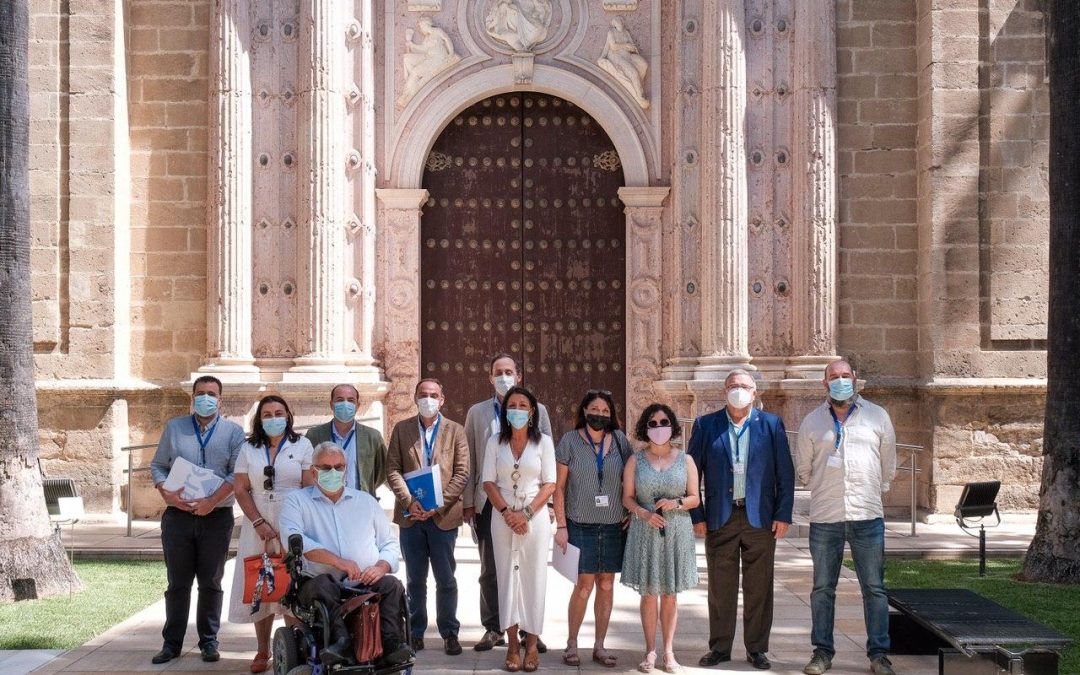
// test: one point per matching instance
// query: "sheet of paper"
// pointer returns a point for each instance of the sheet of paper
(566, 564)
(427, 490)
(196, 482)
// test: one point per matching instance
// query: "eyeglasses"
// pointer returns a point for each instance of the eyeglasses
(602, 392)
(268, 471)
(328, 467)
(652, 424)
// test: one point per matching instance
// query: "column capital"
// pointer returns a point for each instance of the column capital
(401, 199)
(638, 197)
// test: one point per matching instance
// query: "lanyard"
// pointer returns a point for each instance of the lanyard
(736, 448)
(429, 446)
(599, 454)
(203, 442)
(838, 425)
(498, 409)
(277, 452)
(337, 439)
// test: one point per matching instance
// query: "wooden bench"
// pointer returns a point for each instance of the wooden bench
(971, 635)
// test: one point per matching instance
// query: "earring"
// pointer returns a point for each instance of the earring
(530, 421)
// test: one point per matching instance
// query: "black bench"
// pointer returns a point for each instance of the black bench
(971, 635)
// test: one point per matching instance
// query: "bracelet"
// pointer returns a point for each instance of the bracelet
(258, 522)
(528, 512)
(561, 527)
(503, 509)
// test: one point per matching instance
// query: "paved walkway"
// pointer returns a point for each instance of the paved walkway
(127, 647)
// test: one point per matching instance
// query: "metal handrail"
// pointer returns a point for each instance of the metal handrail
(913, 469)
(131, 470)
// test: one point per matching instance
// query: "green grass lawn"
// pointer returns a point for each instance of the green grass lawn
(1053, 605)
(113, 591)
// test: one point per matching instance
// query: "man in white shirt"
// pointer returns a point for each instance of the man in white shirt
(481, 423)
(846, 455)
(347, 540)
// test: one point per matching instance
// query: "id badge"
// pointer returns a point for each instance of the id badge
(740, 469)
(836, 461)
(602, 501)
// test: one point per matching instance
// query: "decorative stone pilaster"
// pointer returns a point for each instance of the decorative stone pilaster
(228, 320)
(321, 185)
(723, 264)
(814, 160)
(644, 317)
(399, 251)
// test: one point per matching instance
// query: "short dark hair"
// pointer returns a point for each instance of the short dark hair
(534, 423)
(258, 437)
(590, 396)
(641, 429)
(343, 384)
(428, 379)
(203, 379)
(499, 357)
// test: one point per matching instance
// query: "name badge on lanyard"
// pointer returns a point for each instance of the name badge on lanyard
(203, 441)
(739, 463)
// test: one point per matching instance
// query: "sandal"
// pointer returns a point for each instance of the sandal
(604, 657)
(513, 660)
(532, 659)
(570, 656)
(670, 664)
(648, 664)
(261, 663)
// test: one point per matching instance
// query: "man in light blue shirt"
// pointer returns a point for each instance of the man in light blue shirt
(347, 541)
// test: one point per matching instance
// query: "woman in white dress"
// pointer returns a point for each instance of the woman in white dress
(273, 462)
(519, 478)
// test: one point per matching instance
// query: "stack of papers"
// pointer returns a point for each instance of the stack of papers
(194, 481)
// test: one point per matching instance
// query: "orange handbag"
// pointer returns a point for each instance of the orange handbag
(265, 575)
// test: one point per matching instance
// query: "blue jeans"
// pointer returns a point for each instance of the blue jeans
(422, 544)
(867, 540)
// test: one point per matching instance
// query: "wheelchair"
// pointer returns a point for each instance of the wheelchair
(297, 649)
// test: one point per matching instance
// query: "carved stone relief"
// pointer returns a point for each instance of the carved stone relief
(521, 24)
(620, 5)
(621, 59)
(425, 5)
(427, 58)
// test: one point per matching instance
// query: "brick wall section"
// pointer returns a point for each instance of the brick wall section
(876, 100)
(168, 53)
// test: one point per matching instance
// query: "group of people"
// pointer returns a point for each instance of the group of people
(631, 507)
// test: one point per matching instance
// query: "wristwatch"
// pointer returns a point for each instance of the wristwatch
(679, 500)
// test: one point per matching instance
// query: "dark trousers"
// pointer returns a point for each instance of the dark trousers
(195, 547)
(327, 590)
(723, 549)
(489, 580)
(425, 545)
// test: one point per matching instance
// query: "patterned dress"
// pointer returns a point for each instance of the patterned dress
(655, 564)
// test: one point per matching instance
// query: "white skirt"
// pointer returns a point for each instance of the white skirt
(521, 564)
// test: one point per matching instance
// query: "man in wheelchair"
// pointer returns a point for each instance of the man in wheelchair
(347, 542)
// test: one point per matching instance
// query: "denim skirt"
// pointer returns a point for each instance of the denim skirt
(601, 546)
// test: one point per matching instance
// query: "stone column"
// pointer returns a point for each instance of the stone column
(228, 316)
(813, 245)
(644, 316)
(400, 272)
(322, 183)
(724, 339)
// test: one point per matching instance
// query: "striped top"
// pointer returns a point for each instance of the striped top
(582, 486)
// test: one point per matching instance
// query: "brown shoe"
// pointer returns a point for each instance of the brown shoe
(532, 655)
(490, 640)
(261, 663)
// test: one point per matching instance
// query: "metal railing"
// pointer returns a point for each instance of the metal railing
(911, 466)
(129, 489)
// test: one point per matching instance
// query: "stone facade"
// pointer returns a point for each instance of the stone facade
(236, 188)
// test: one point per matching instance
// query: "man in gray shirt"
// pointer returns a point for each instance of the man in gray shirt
(195, 533)
(481, 423)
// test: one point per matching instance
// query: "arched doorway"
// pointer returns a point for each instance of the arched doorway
(522, 250)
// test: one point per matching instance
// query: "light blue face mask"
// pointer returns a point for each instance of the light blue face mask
(517, 418)
(205, 405)
(841, 389)
(331, 480)
(274, 426)
(344, 411)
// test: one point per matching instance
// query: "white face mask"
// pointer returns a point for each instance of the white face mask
(739, 398)
(428, 406)
(659, 435)
(503, 384)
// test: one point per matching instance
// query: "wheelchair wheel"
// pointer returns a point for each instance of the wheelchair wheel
(286, 650)
(300, 670)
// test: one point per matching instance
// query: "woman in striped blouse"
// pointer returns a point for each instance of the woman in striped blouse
(590, 513)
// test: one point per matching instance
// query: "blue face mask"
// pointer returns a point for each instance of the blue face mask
(517, 418)
(344, 411)
(205, 405)
(331, 480)
(274, 426)
(841, 389)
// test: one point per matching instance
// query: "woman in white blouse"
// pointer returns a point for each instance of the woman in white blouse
(519, 478)
(273, 462)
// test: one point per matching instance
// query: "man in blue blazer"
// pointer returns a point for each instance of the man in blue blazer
(749, 487)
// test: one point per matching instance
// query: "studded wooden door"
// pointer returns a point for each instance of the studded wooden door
(522, 252)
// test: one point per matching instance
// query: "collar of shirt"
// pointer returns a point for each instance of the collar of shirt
(203, 428)
(318, 495)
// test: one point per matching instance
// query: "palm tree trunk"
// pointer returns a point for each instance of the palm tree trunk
(1054, 554)
(32, 561)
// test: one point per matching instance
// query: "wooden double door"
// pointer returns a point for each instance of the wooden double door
(523, 251)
